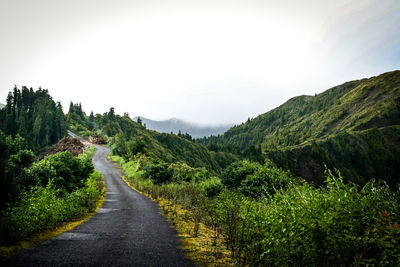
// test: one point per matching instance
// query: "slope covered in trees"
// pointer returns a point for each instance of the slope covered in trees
(34, 116)
(345, 127)
(129, 139)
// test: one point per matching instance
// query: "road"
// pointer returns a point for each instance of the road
(128, 230)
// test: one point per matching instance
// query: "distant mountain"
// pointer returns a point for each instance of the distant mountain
(2, 106)
(175, 125)
(354, 127)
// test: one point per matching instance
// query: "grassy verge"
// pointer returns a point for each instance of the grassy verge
(45, 212)
(201, 243)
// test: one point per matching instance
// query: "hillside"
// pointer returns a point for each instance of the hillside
(176, 125)
(352, 109)
(129, 138)
(33, 115)
(2, 106)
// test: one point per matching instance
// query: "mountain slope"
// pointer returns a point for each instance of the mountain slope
(353, 106)
(129, 139)
(352, 127)
(359, 155)
(177, 125)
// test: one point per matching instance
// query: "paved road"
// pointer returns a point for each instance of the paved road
(128, 230)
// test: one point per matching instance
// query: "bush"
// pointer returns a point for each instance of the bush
(338, 225)
(72, 190)
(233, 175)
(42, 207)
(265, 180)
(13, 161)
(212, 186)
(67, 172)
(181, 172)
(157, 172)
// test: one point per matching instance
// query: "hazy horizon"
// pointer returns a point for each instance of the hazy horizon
(205, 62)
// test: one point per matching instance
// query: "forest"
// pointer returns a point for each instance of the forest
(36, 192)
(312, 182)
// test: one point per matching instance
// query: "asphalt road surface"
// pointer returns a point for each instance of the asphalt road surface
(128, 230)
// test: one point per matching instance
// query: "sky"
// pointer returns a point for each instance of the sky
(208, 62)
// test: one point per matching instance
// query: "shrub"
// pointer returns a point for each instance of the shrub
(68, 173)
(233, 175)
(157, 172)
(42, 207)
(265, 180)
(336, 225)
(181, 172)
(212, 186)
(71, 191)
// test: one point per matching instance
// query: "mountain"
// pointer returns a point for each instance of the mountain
(354, 127)
(2, 106)
(175, 125)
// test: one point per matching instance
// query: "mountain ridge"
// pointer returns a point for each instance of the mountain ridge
(364, 113)
(175, 125)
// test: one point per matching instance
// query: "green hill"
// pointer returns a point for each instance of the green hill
(33, 115)
(129, 138)
(354, 120)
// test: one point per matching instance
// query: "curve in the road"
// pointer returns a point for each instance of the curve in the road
(128, 230)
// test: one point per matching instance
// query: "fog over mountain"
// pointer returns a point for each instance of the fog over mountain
(175, 125)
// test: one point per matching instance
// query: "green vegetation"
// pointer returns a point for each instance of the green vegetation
(34, 116)
(128, 139)
(37, 196)
(13, 162)
(244, 185)
(323, 124)
(262, 211)
(360, 155)
(43, 207)
(269, 218)
(79, 123)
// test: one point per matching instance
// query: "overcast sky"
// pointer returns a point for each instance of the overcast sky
(208, 62)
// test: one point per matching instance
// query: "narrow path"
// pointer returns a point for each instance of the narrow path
(128, 230)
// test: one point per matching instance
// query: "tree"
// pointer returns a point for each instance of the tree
(33, 115)
(13, 160)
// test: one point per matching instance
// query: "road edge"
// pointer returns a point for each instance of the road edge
(35, 239)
